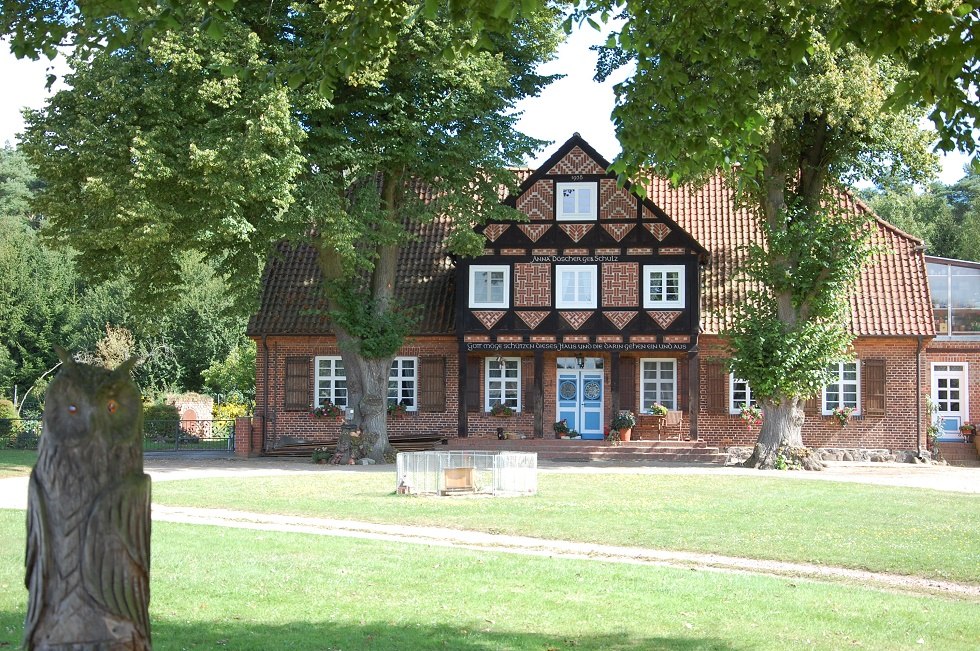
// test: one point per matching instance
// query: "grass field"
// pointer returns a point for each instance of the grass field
(14, 463)
(900, 530)
(226, 588)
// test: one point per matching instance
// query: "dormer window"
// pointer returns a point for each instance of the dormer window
(576, 201)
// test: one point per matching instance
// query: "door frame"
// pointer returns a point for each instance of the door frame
(580, 373)
(964, 412)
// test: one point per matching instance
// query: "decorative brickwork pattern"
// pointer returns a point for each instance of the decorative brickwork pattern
(618, 231)
(488, 318)
(538, 202)
(577, 162)
(520, 252)
(617, 203)
(576, 252)
(576, 231)
(476, 338)
(543, 339)
(671, 250)
(620, 284)
(493, 231)
(609, 339)
(639, 250)
(534, 231)
(576, 319)
(544, 251)
(532, 317)
(620, 319)
(664, 318)
(648, 214)
(510, 339)
(532, 284)
(659, 230)
(575, 339)
(676, 339)
(644, 339)
(608, 251)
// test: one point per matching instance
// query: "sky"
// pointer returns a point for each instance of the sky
(575, 103)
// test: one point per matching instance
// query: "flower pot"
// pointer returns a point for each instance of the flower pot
(625, 434)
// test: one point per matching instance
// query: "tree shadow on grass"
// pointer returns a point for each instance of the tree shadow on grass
(245, 636)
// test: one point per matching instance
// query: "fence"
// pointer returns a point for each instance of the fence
(158, 435)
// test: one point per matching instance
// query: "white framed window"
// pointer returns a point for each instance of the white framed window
(844, 389)
(502, 382)
(739, 394)
(331, 381)
(489, 285)
(576, 286)
(403, 382)
(663, 285)
(658, 383)
(576, 201)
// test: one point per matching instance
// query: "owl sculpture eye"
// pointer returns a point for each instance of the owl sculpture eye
(72, 409)
(112, 406)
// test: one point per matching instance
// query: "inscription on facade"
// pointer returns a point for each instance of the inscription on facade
(575, 259)
(475, 347)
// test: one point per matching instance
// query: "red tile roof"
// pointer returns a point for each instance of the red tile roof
(892, 296)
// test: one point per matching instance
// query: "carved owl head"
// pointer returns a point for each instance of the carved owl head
(85, 401)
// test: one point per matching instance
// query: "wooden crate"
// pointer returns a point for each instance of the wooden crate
(459, 479)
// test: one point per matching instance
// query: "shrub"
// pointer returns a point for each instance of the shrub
(160, 420)
(8, 414)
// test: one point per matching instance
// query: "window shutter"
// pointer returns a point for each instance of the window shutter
(873, 387)
(474, 378)
(297, 384)
(627, 384)
(715, 394)
(683, 395)
(812, 406)
(527, 384)
(432, 384)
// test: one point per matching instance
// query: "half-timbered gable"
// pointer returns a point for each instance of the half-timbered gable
(594, 267)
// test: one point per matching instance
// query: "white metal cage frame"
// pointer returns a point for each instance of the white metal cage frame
(467, 472)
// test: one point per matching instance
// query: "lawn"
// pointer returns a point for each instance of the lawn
(236, 589)
(14, 463)
(888, 529)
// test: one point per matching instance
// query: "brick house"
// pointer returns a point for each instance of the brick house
(600, 301)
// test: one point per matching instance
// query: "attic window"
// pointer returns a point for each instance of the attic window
(576, 201)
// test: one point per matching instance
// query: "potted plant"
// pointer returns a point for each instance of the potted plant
(327, 410)
(561, 428)
(397, 409)
(968, 431)
(500, 410)
(624, 422)
(657, 409)
(842, 414)
(751, 415)
(322, 455)
(572, 434)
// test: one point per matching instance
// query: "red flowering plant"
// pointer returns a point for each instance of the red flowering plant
(327, 410)
(751, 415)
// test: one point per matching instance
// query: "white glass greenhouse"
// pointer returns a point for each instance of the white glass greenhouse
(467, 473)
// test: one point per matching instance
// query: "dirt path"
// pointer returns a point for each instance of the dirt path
(480, 541)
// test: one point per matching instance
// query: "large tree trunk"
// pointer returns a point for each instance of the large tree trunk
(780, 442)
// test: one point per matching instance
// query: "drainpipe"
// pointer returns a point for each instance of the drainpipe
(265, 387)
(918, 397)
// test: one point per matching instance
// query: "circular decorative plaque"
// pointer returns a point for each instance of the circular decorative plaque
(567, 390)
(592, 390)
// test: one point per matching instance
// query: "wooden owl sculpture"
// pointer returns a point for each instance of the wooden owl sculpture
(88, 516)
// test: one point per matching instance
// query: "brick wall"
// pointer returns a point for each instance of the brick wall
(299, 424)
(895, 430)
(958, 352)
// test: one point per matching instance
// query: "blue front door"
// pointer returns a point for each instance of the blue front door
(580, 399)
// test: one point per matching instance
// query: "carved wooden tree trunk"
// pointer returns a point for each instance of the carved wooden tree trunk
(88, 516)
(782, 433)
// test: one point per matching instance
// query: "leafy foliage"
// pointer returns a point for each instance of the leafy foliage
(235, 373)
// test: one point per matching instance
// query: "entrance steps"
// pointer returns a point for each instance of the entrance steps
(592, 450)
(960, 454)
